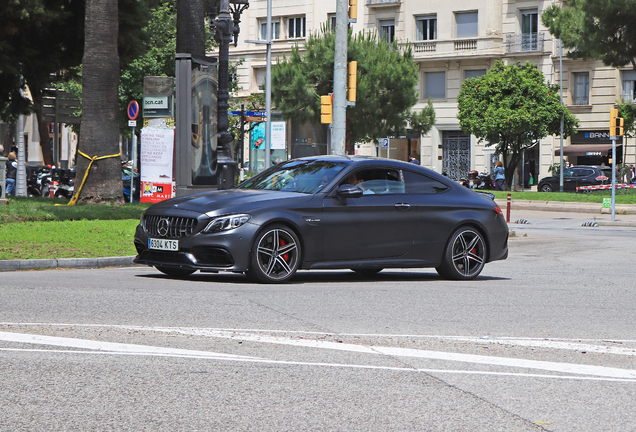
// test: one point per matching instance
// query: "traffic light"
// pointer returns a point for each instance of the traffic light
(352, 82)
(353, 10)
(326, 109)
(616, 123)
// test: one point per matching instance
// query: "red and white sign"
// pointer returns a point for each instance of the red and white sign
(157, 148)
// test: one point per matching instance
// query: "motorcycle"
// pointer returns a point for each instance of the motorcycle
(485, 181)
(66, 184)
(38, 180)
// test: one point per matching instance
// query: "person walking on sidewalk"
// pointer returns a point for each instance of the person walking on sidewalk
(12, 170)
(500, 176)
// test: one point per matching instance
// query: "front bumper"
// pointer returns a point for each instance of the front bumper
(224, 251)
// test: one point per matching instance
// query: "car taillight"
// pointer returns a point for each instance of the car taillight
(497, 210)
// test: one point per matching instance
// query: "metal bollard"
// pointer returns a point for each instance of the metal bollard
(508, 208)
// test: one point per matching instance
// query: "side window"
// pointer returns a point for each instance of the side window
(584, 172)
(421, 184)
(377, 181)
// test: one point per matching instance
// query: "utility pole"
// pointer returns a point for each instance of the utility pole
(339, 126)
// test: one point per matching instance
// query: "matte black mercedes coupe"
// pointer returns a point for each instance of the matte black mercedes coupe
(327, 212)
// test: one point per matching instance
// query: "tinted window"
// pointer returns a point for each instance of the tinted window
(582, 172)
(421, 184)
(377, 181)
(303, 176)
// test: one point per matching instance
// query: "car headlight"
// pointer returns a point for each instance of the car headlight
(225, 223)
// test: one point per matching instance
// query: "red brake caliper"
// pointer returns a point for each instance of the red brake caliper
(285, 256)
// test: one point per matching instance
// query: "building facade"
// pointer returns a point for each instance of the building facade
(452, 41)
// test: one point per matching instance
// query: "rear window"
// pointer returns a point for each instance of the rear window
(422, 184)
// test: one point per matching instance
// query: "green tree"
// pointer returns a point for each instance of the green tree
(512, 107)
(595, 29)
(39, 38)
(387, 82)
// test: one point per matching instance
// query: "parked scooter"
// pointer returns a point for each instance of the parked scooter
(38, 180)
(66, 184)
(485, 181)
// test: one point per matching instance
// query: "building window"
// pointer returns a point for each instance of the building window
(581, 88)
(331, 20)
(435, 85)
(426, 28)
(529, 30)
(296, 28)
(629, 86)
(259, 77)
(466, 24)
(262, 34)
(474, 73)
(387, 30)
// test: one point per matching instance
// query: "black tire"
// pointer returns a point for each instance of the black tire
(464, 256)
(175, 272)
(275, 255)
(367, 273)
(545, 187)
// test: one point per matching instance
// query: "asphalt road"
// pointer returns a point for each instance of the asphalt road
(542, 341)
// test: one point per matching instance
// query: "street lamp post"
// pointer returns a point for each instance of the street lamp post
(226, 25)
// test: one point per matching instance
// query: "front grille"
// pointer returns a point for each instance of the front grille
(177, 226)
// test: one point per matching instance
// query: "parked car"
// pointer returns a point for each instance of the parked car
(327, 212)
(573, 177)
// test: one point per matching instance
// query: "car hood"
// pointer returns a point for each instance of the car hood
(229, 200)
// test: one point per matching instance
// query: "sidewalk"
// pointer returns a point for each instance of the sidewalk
(625, 216)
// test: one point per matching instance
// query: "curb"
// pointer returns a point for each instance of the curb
(66, 263)
(558, 206)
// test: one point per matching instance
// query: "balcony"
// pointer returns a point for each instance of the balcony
(524, 42)
(383, 3)
(451, 48)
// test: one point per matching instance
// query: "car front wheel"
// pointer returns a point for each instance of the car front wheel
(275, 255)
(464, 256)
(546, 187)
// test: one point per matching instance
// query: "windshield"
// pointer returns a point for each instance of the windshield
(302, 176)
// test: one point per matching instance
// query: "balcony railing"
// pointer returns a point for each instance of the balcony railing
(421, 47)
(465, 44)
(524, 42)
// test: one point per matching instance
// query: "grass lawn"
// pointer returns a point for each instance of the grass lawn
(36, 228)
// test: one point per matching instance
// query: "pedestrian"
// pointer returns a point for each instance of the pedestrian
(500, 176)
(12, 170)
(632, 174)
(413, 160)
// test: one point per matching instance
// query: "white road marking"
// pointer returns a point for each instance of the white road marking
(600, 372)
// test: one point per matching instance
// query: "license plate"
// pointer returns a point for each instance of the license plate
(163, 244)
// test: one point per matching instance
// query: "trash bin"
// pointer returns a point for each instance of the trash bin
(3, 175)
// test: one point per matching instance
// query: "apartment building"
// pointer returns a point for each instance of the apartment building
(451, 41)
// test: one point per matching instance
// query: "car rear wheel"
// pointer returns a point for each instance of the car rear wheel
(275, 255)
(464, 256)
(546, 187)
(175, 272)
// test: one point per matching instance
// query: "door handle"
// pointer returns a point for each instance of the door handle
(402, 205)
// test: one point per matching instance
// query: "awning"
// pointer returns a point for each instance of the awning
(585, 150)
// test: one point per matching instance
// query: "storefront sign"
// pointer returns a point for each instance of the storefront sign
(592, 137)
(158, 106)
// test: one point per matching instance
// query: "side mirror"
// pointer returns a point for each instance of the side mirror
(349, 191)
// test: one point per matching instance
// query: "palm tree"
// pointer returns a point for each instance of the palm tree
(99, 136)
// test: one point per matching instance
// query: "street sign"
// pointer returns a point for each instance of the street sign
(384, 142)
(133, 110)
(249, 113)
(132, 123)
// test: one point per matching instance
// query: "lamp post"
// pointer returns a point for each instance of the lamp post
(225, 26)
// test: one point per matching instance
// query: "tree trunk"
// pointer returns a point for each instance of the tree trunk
(190, 27)
(100, 130)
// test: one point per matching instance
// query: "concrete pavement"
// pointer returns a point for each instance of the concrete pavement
(577, 213)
